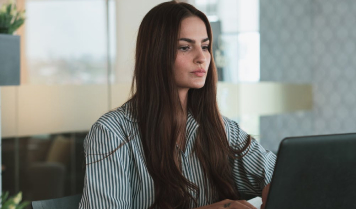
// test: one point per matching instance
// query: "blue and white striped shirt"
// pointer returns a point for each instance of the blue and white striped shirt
(122, 181)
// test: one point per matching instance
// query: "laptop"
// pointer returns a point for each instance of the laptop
(315, 172)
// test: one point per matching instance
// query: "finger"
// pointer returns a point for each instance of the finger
(245, 203)
(238, 206)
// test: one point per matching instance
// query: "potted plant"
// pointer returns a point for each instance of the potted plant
(12, 202)
(10, 20)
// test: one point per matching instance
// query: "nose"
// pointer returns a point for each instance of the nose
(200, 57)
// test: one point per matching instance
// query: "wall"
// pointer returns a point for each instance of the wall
(305, 41)
(129, 16)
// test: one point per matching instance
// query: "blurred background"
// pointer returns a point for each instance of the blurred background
(77, 61)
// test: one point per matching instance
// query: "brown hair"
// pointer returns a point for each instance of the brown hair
(160, 114)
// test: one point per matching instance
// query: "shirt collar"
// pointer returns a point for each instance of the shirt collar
(128, 112)
(191, 132)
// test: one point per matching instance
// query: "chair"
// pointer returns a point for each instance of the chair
(70, 202)
(46, 180)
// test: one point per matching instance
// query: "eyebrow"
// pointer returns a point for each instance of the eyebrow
(192, 41)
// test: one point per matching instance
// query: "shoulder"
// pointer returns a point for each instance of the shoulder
(115, 126)
(112, 131)
(118, 119)
(234, 133)
(229, 123)
(231, 126)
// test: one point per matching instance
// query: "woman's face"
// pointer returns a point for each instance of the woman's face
(193, 56)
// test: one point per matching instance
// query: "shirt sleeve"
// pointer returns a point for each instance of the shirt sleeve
(253, 171)
(106, 182)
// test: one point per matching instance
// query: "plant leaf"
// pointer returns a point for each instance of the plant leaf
(23, 205)
(4, 196)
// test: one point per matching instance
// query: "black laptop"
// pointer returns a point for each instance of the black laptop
(315, 172)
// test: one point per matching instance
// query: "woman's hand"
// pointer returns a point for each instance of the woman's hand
(264, 196)
(230, 204)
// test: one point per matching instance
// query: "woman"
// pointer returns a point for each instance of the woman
(168, 146)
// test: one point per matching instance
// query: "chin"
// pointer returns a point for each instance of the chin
(198, 86)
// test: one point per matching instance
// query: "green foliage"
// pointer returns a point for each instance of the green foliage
(12, 202)
(10, 18)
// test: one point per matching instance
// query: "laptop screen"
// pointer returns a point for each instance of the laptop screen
(315, 172)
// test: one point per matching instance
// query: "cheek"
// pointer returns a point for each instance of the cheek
(180, 65)
(208, 58)
(180, 62)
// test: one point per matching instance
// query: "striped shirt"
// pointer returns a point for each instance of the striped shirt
(121, 180)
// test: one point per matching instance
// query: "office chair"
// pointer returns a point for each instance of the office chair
(70, 202)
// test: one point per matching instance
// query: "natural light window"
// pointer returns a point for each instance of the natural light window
(236, 23)
(63, 47)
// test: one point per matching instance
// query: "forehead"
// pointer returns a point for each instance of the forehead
(193, 27)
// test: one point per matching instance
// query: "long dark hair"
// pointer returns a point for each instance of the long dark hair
(160, 114)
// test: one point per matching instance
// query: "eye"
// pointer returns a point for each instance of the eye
(184, 48)
(205, 48)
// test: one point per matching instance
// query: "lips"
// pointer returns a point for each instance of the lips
(199, 72)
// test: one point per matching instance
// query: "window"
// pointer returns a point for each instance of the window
(66, 42)
(235, 25)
